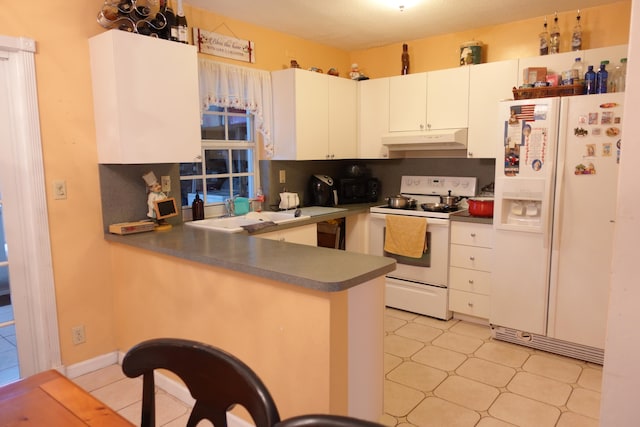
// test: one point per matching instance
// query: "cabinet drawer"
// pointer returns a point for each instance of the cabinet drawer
(469, 303)
(467, 280)
(466, 233)
(471, 257)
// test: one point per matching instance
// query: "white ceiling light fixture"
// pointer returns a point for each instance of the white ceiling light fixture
(400, 4)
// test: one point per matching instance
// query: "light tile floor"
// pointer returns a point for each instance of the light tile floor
(9, 371)
(437, 373)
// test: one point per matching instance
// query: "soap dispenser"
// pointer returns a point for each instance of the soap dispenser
(197, 208)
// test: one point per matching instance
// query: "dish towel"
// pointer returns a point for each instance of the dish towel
(405, 235)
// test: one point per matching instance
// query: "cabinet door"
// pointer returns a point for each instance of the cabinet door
(408, 102)
(143, 115)
(343, 116)
(301, 115)
(373, 119)
(448, 98)
(488, 84)
(304, 235)
(311, 115)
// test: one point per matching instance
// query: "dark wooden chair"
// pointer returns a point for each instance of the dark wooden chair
(317, 420)
(216, 379)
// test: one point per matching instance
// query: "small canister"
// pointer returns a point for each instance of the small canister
(471, 53)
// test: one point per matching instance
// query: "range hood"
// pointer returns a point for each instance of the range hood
(443, 139)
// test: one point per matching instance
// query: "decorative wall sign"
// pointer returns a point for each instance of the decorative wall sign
(227, 47)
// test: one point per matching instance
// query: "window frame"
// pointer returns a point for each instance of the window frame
(229, 145)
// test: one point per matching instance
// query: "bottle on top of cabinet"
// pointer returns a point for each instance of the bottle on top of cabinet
(576, 37)
(590, 81)
(543, 39)
(405, 59)
(181, 25)
(602, 78)
(577, 71)
(617, 77)
(554, 38)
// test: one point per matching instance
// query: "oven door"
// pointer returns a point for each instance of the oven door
(432, 268)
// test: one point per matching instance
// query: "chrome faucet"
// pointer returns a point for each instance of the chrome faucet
(230, 204)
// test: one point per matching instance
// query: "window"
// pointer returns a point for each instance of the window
(229, 159)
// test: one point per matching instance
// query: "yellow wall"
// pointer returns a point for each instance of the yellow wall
(81, 259)
(263, 322)
(602, 26)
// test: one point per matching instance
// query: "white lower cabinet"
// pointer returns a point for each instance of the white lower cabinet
(470, 265)
(304, 235)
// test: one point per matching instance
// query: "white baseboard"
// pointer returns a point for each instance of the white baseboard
(90, 365)
(169, 385)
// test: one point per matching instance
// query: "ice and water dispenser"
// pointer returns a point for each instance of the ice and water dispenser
(520, 204)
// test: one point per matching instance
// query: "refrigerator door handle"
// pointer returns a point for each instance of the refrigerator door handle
(559, 179)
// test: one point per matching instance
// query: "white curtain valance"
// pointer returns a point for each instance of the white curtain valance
(225, 85)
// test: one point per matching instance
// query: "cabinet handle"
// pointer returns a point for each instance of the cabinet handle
(472, 258)
(470, 304)
(470, 153)
(421, 126)
(471, 281)
(473, 234)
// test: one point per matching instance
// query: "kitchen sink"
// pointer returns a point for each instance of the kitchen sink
(235, 224)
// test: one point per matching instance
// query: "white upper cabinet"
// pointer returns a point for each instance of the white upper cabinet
(427, 101)
(408, 102)
(343, 118)
(488, 84)
(314, 116)
(448, 98)
(373, 118)
(146, 102)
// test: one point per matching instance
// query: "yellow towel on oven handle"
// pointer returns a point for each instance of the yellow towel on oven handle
(405, 235)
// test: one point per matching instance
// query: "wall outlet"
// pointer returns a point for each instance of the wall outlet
(59, 189)
(283, 176)
(166, 183)
(77, 335)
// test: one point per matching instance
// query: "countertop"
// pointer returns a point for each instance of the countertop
(322, 269)
(465, 216)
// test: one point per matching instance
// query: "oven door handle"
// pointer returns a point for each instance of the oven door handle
(430, 221)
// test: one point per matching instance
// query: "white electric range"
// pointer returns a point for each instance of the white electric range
(420, 285)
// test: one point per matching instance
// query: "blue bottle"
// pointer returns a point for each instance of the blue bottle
(590, 81)
(602, 78)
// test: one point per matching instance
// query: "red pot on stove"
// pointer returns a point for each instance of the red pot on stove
(481, 206)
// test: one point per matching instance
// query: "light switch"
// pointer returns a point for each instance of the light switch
(166, 183)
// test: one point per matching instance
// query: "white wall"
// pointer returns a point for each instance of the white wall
(621, 373)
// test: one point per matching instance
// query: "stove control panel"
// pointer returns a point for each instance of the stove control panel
(464, 186)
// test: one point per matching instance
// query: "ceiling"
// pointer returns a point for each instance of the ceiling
(362, 24)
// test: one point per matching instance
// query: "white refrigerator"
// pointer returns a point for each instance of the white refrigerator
(555, 199)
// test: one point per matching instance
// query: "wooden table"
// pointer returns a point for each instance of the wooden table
(50, 399)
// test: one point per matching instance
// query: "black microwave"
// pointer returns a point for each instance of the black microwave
(358, 190)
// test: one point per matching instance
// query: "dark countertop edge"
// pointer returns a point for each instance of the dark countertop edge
(465, 216)
(291, 263)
